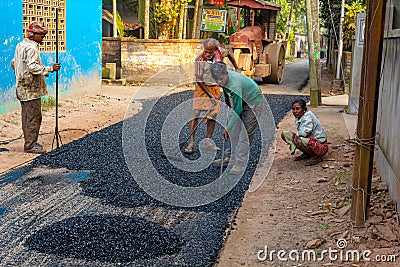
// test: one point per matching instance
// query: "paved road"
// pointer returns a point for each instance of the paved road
(80, 206)
(294, 77)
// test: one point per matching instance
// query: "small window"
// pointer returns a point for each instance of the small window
(396, 15)
(45, 10)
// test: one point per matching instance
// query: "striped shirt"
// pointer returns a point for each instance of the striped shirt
(202, 66)
(29, 71)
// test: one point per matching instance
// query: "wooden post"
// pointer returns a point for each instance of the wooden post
(313, 53)
(367, 111)
(238, 18)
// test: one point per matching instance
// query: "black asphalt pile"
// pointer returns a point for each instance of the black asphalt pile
(105, 238)
(155, 234)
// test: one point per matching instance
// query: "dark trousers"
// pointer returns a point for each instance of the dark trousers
(31, 115)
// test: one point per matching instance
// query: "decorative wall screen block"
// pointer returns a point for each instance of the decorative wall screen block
(45, 10)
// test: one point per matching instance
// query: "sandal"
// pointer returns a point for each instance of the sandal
(313, 161)
(36, 149)
(301, 157)
(210, 146)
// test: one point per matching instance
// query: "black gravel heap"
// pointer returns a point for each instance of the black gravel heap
(195, 236)
(105, 238)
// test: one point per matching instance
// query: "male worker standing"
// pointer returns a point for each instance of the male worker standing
(247, 104)
(31, 85)
(207, 91)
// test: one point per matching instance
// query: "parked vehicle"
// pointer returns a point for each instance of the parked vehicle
(255, 47)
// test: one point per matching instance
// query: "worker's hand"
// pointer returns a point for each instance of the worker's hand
(56, 67)
(225, 135)
(239, 69)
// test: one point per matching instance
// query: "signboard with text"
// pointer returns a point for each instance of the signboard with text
(213, 20)
(217, 2)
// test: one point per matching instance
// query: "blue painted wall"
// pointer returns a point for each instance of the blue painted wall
(81, 63)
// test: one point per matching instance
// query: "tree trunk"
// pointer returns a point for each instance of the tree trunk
(146, 19)
(197, 19)
(181, 21)
(165, 30)
(313, 54)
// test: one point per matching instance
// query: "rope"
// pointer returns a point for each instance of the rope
(368, 144)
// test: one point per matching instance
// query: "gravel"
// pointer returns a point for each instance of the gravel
(149, 233)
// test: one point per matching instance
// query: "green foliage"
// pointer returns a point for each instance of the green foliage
(283, 15)
(349, 24)
(166, 13)
(299, 17)
(49, 101)
(120, 25)
(327, 15)
(325, 225)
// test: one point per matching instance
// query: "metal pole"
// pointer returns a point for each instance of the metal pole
(367, 111)
(57, 136)
(340, 49)
(115, 34)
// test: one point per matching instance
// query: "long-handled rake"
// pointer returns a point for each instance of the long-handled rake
(184, 143)
(223, 143)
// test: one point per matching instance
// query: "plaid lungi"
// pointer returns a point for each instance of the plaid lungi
(201, 101)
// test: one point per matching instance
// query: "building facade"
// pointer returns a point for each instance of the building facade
(79, 43)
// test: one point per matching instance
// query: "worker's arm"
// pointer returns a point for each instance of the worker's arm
(227, 100)
(233, 61)
(204, 88)
(237, 108)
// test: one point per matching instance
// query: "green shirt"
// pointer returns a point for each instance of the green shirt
(241, 88)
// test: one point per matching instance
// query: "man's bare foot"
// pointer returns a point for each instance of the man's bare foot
(189, 149)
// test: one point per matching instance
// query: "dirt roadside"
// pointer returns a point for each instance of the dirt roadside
(299, 208)
(79, 114)
(307, 207)
(295, 205)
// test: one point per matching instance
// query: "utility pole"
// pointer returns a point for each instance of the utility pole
(313, 53)
(289, 22)
(115, 34)
(340, 49)
(289, 25)
(146, 19)
(367, 111)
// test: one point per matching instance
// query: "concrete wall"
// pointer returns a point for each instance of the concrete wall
(141, 59)
(111, 51)
(81, 63)
(357, 57)
(388, 121)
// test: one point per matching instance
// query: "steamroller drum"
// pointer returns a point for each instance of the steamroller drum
(276, 57)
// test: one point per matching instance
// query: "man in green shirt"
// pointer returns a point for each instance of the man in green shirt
(247, 102)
